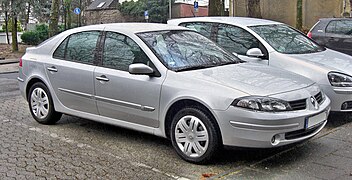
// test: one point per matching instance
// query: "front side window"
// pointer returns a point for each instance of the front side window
(186, 50)
(120, 51)
(81, 47)
(203, 28)
(343, 27)
(286, 40)
(235, 39)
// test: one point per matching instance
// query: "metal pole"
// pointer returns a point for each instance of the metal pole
(170, 9)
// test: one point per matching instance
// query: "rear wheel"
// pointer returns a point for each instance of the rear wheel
(194, 135)
(41, 104)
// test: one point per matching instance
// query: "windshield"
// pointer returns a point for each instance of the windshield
(286, 40)
(186, 50)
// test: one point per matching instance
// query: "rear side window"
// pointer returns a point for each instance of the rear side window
(343, 27)
(203, 28)
(81, 47)
(60, 51)
(78, 47)
(235, 39)
(120, 51)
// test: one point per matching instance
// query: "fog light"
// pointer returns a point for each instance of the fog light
(346, 105)
(275, 140)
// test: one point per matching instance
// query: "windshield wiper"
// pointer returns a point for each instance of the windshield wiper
(195, 67)
(232, 62)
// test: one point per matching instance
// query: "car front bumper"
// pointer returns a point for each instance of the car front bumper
(338, 96)
(245, 128)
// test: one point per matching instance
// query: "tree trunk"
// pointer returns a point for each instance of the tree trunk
(299, 19)
(54, 18)
(69, 16)
(351, 8)
(14, 34)
(79, 15)
(27, 15)
(254, 9)
(216, 8)
(7, 27)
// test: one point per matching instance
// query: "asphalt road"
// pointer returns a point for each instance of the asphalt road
(80, 148)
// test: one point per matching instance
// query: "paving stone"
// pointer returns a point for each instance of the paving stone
(28, 154)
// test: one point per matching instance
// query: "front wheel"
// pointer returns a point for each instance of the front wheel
(194, 135)
(41, 104)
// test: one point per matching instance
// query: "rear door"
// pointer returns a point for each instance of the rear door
(121, 95)
(71, 71)
(338, 36)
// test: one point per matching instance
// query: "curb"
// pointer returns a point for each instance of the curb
(9, 72)
(10, 62)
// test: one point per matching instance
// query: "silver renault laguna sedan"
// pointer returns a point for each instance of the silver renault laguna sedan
(278, 45)
(170, 82)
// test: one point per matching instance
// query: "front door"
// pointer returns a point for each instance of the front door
(121, 95)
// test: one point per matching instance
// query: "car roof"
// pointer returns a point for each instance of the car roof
(329, 19)
(130, 27)
(240, 21)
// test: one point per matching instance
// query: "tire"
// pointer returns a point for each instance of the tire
(41, 104)
(200, 144)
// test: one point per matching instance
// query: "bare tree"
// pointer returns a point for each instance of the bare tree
(14, 26)
(216, 8)
(54, 18)
(254, 8)
(351, 8)
(299, 19)
(5, 6)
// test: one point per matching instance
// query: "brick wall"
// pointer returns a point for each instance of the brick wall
(187, 10)
(103, 16)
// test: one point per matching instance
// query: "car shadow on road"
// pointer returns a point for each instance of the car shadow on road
(226, 156)
(337, 119)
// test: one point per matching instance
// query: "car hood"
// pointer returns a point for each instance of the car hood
(253, 79)
(328, 59)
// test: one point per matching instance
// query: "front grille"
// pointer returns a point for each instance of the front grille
(319, 97)
(302, 132)
(298, 105)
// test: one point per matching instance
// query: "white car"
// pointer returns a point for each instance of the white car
(279, 45)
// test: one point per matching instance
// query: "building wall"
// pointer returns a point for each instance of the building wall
(187, 10)
(286, 10)
(315, 9)
(103, 16)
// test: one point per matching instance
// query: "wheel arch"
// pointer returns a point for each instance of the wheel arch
(182, 103)
(30, 83)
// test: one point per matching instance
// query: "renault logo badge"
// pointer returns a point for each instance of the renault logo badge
(314, 102)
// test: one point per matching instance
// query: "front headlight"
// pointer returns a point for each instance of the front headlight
(340, 80)
(259, 103)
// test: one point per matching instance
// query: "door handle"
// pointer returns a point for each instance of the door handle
(102, 78)
(52, 69)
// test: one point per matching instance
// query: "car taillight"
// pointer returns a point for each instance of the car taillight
(309, 35)
(20, 64)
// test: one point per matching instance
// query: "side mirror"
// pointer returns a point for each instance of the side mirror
(140, 69)
(255, 52)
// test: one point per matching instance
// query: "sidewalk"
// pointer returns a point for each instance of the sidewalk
(326, 157)
(8, 66)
